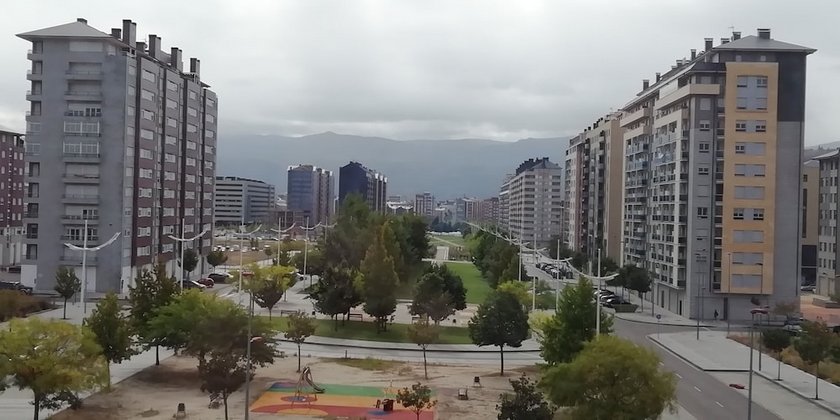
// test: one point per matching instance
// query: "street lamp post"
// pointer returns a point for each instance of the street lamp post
(84, 248)
(753, 312)
(242, 235)
(182, 241)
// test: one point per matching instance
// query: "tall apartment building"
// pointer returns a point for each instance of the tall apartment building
(593, 187)
(239, 200)
(424, 204)
(355, 178)
(119, 136)
(535, 201)
(504, 204)
(489, 211)
(11, 197)
(712, 177)
(810, 221)
(828, 282)
(310, 193)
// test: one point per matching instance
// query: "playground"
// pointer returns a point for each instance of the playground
(304, 397)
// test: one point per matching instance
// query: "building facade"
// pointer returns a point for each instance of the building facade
(11, 197)
(355, 178)
(535, 201)
(121, 139)
(424, 204)
(242, 200)
(489, 211)
(828, 282)
(310, 193)
(712, 177)
(810, 221)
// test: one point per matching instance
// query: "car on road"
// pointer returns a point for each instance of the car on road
(808, 288)
(192, 284)
(10, 285)
(206, 282)
(219, 277)
(611, 301)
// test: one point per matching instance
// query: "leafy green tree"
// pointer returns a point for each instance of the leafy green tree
(526, 402)
(174, 323)
(392, 245)
(152, 290)
(379, 282)
(453, 285)
(813, 346)
(191, 259)
(423, 334)
(518, 289)
(67, 284)
(417, 398)
(283, 258)
(431, 298)
(414, 228)
(573, 324)
(500, 321)
(776, 340)
(269, 284)
(335, 293)
(300, 327)
(268, 252)
(608, 266)
(315, 262)
(349, 239)
(113, 332)
(611, 378)
(216, 258)
(54, 359)
(579, 261)
(633, 277)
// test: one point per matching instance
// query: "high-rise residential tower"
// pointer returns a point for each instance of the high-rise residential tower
(355, 178)
(11, 197)
(242, 200)
(424, 204)
(535, 196)
(310, 194)
(828, 250)
(121, 137)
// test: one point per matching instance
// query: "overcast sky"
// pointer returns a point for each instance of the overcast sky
(434, 69)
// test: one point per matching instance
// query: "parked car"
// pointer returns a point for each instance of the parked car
(808, 288)
(9, 285)
(610, 302)
(192, 284)
(206, 282)
(219, 277)
(793, 329)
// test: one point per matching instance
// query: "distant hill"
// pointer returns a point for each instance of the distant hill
(447, 168)
(811, 152)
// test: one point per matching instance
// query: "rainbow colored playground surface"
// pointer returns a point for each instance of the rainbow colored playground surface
(286, 397)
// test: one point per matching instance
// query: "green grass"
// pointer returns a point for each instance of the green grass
(361, 330)
(477, 287)
(445, 239)
(368, 363)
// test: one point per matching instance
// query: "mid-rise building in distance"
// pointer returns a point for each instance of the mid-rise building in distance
(828, 254)
(121, 138)
(489, 211)
(810, 221)
(310, 194)
(11, 197)
(534, 197)
(243, 200)
(424, 204)
(371, 186)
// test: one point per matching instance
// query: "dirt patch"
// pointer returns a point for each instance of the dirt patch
(154, 393)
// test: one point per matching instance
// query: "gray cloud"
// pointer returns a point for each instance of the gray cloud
(433, 69)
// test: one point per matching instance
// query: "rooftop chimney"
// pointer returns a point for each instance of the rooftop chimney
(140, 46)
(129, 32)
(709, 42)
(81, 20)
(658, 77)
(116, 33)
(175, 58)
(764, 33)
(645, 84)
(154, 45)
(724, 41)
(693, 53)
(736, 36)
(195, 66)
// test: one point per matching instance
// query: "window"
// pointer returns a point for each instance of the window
(210, 134)
(748, 236)
(740, 148)
(171, 85)
(211, 103)
(147, 95)
(189, 178)
(761, 103)
(145, 154)
(749, 193)
(144, 212)
(758, 214)
(143, 251)
(169, 176)
(168, 230)
(167, 193)
(147, 75)
(706, 104)
(192, 112)
(705, 125)
(702, 212)
(172, 122)
(702, 170)
(740, 125)
(189, 195)
(171, 104)
(147, 115)
(190, 161)
(741, 103)
(129, 111)
(192, 94)
(166, 248)
(761, 81)
(738, 214)
(132, 91)
(171, 140)
(191, 145)
(192, 128)
(168, 212)
(169, 158)
(145, 173)
(704, 147)
(742, 81)
(760, 126)
(147, 134)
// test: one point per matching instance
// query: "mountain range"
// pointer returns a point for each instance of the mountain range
(446, 168)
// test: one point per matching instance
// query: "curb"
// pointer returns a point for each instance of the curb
(818, 403)
(684, 359)
(667, 324)
(381, 345)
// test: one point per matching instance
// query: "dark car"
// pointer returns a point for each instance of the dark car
(8, 285)
(219, 277)
(190, 284)
(207, 282)
(615, 300)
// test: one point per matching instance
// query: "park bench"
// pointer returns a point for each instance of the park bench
(355, 315)
(289, 311)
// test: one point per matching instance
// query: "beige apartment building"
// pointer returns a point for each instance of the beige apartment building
(533, 201)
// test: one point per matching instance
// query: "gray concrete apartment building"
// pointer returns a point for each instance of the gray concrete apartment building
(119, 136)
(533, 200)
(712, 185)
(310, 195)
(239, 200)
(827, 250)
(11, 198)
(424, 204)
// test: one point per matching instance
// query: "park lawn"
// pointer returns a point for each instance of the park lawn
(248, 257)
(446, 239)
(364, 330)
(477, 287)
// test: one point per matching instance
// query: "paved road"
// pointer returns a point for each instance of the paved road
(701, 394)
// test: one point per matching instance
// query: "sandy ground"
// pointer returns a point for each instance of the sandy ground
(155, 392)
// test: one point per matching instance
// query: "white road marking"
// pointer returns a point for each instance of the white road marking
(661, 364)
(698, 389)
(678, 375)
(721, 405)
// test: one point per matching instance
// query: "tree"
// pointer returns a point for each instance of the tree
(431, 298)
(66, 285)
(190, 260)
(112, 331)
(268, 284)
(315, 262)
(335, 293)
(452, 285)
(634, 278)
(417, 398)
(174, 323)
(54, 359)
(518, 289)
(500, 321)
(216, 258)
(813, 346)
(776, 340)
(152, 290)
(526, 402)
(300, 328)
(608, 266)
(422, 333)
(283, 258)
(268, 252)
(573, 324)
(379, 281)
(611, 378)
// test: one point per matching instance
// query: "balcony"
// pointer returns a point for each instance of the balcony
(91, 259)
(32, 235)
(83, 75)
(690, 89)
(81, 178)
(628, 119)
(33, 96)
(34, 76)
(92, 96)
(82, 157)
(81, 198)
(35, 55)
(79, 218)
(79, 238)
(30, 215)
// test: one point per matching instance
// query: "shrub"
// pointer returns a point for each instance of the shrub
(15, 304)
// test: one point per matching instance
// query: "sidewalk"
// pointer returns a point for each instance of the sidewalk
(528, 346)
(716, 353)
(667, 317)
